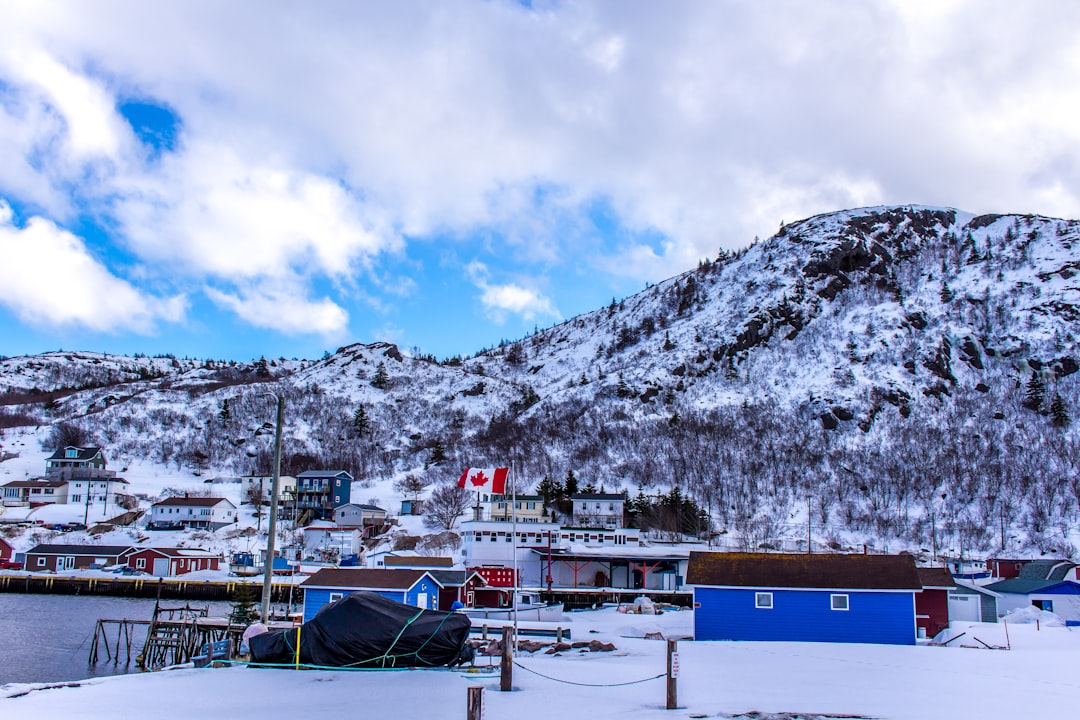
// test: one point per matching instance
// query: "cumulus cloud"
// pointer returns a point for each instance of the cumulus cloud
(500, 300)
(283, 308)
(331, 133)
(48, 277)
(212, 211)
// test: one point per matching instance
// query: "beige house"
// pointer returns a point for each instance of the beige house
(527, 508)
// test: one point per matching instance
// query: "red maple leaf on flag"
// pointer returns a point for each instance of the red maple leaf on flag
(479, 478)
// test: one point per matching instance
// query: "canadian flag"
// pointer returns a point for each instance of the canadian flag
(491, 479)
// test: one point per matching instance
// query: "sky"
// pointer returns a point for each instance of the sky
(270, 178)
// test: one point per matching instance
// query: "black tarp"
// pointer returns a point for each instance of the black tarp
(365, 629)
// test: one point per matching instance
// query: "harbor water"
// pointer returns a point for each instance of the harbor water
(47, 638)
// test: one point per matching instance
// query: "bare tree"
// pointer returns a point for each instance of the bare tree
(411, 486)
(447, 503)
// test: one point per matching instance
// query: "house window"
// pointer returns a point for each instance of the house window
(839, 602)
(763, 600)
(140, 563)
(336, 596)
(41, 562)
(76, 498)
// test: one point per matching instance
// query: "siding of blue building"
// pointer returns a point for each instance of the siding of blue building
(804, 616)
(315, 598)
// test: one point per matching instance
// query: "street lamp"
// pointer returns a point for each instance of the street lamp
(268, 566)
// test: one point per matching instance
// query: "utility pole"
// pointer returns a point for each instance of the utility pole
(268, 568)
(809, 499)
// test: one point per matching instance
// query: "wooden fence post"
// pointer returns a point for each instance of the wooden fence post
(506, 668)
(475, 708)
(672, 673)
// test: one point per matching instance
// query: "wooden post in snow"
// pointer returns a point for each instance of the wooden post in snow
(506, 668)
(672, 673)
(475, 706)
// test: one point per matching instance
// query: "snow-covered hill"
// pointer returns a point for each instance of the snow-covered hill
(861, 371)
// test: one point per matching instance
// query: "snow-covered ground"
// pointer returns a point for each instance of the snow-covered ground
(1036, 678)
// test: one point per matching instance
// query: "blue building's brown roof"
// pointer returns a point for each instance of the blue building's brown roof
(790, 570)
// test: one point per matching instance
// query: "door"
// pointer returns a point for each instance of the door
(964, 608)
(65, 563)
(422, 600)
(161, 567)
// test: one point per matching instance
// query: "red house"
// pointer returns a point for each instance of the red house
(170, 562)
(497, 587)
(932, 604)
(1005, 569)
(7, 556)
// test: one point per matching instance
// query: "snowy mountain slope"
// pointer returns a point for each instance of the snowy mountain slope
(875, 366)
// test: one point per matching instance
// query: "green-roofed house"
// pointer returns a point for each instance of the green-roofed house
(1049, 585)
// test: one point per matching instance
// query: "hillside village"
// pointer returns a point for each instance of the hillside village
(332, 546)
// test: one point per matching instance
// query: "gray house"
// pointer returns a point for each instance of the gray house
(973, 603)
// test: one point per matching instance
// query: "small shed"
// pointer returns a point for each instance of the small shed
(969, 602)
(802, 597)
(457, 586)
(7, 552)
(412, 587)
(932, 604)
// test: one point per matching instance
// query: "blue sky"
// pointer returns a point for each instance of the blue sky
(239, 179)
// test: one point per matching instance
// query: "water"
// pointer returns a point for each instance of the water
(46, 638)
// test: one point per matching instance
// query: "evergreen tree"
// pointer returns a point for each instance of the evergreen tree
(381, 381)
(360, 422)
(570, 485)
(1035, 393)
(244, 610)
(262, 370)
(946, 292)
(1059, 412)
(224, 415)
(550, 490)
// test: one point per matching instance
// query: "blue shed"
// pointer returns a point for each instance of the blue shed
(805, 598)
(412, 587)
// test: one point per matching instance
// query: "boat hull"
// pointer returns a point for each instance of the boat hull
(547, 613)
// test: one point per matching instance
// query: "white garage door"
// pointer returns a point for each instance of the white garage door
(964, 608)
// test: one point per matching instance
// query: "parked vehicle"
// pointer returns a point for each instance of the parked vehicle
(10, 565)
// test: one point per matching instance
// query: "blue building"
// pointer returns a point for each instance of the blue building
(320, 492)
(412, 587)
(805, 598)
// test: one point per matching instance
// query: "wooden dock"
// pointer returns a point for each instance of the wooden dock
(172, 637)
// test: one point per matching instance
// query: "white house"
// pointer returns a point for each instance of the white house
(604, 510)
(20, 493)
(491, 542)
(89, 490)
(195, 512)
(258, 486)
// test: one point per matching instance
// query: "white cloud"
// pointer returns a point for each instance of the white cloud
(214, 212)
(48, 277)
(320, 137)
(500, 300)
(283, 308)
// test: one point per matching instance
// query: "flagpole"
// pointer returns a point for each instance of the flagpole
(513, 531)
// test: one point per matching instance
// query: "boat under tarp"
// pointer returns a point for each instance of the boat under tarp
(367, 630)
